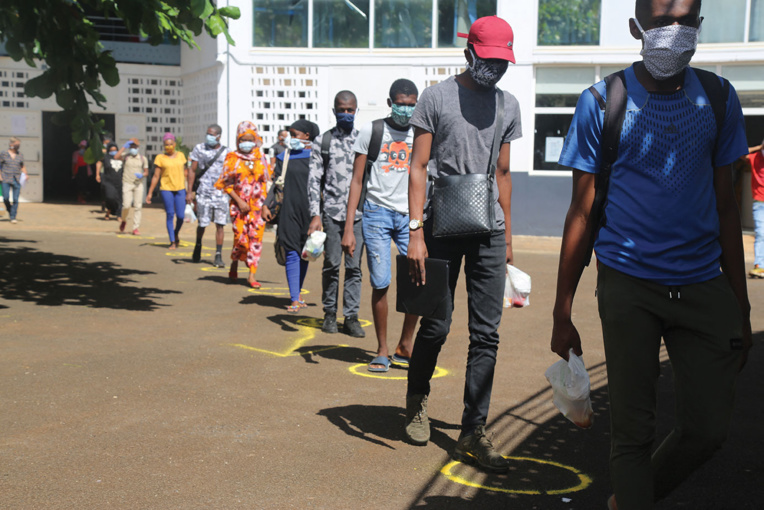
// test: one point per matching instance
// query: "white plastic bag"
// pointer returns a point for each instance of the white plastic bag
(314, 246)
(570, 382)
(517, 288)
(189, 216)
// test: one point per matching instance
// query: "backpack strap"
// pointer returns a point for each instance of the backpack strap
(717, 92)
(326, 142)
(375, 144)
(615, 112)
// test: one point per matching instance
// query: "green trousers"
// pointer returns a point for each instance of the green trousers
(701, 326)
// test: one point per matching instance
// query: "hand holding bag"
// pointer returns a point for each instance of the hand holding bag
(463, 205)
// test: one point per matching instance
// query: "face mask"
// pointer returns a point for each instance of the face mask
(246, 147)
(169, 149)
(211, 141)
(82, 151)
(112, 153)
(402, 114)
(133, 151)
(345, 121)
(668, 50)
(486, 73)
(296, 144)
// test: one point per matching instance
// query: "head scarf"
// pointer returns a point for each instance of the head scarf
(247, 128)
(306, 126)
(168, 136)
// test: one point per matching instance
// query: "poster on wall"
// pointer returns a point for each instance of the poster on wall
(553, 148)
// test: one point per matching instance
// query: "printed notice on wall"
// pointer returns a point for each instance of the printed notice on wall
(553, 148)
(131, 130)
(19, 125)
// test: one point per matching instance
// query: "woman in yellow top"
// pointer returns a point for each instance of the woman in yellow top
(171, 168)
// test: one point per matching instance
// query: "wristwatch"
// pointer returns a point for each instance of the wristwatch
(415, 224)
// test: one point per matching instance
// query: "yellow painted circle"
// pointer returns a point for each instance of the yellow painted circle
(212, 269)
(131, 236)
(362, 370)
(584, 480)
(274, 291)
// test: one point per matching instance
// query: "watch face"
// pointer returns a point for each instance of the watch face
(413, 224)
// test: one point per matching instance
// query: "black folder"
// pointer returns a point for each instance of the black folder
(430, 300)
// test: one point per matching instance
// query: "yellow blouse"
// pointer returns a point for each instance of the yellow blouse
(173, 171)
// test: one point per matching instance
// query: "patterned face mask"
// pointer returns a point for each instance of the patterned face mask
(667, 51)
(486, 73)
(402, 114)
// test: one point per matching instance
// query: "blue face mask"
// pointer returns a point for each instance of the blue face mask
(402, 114)
(296, 144)
(211, 141)
(112, 153)
(345, 121)
(246, 147)
(133, 151)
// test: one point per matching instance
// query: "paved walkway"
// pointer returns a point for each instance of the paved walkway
(133, 378)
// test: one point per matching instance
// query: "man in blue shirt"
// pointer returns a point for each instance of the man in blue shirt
(669, 256)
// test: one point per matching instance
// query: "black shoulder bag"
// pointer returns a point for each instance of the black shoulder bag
(201, 173)
(462, 205)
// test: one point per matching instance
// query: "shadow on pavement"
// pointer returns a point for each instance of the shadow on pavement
(373, 424)
(557, 465)
(53, 279)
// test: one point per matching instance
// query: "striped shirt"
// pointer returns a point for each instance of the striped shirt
(10, 168)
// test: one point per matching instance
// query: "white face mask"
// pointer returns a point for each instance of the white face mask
(667, 51)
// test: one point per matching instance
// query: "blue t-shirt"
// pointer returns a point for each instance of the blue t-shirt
(662, 223)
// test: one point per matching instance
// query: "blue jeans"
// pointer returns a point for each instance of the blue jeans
(15, 187)
(174, 205)
(758, 244)
(296, 269)
(381, 226)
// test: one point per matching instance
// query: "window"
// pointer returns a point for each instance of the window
(282, 23)
(723, 21)
(569, 22)
(748, 82)
(557, 92)
(457, 16)
(340, 23)
(403, 23)
(757, 21)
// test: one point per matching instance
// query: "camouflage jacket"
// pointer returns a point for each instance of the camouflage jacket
(339, 173)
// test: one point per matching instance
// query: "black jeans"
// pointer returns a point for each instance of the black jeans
(351, 291)
(485, 270)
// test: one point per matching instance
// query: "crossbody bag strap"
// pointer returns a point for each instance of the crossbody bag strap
(497, 134)
(282, 178)
(212, 162)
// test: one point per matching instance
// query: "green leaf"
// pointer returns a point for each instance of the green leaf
(230, 12)
(215, 25)
(14, 50)
(65, 98)
(110, 75)
(41, 86)
(197, 7)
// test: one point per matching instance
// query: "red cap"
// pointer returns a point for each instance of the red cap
(492, 37)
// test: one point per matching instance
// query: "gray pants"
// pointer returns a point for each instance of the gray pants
(351, 292)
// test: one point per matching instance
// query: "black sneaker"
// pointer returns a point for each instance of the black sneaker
(218, 260)
(477, 449)
(197, 256)
(330, 323)
(352, 327)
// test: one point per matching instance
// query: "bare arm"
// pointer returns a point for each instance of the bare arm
(575, 242)
(190, 186)
(99, 166)
(420, 156)
(504, 182)
(154, 181)
(731, 241)
(354, 196)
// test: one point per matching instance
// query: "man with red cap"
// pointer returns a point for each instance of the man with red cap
(454, 126)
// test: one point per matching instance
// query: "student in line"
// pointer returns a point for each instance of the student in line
(170, 172)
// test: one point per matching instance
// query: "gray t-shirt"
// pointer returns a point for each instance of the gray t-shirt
(462, 122)
(388, 184)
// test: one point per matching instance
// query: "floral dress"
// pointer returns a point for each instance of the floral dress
(247, 178)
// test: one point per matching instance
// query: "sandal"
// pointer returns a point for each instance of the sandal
(293, 308)
(255, 284)
(303, 304)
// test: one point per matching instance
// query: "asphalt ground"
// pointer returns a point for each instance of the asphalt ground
(132, 378)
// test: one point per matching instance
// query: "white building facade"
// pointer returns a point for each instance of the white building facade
(291, 58)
